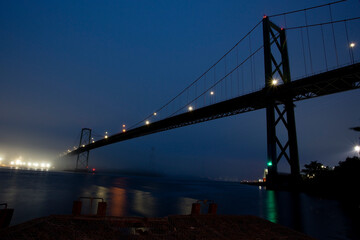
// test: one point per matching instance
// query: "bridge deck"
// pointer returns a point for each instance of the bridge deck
(330, 82)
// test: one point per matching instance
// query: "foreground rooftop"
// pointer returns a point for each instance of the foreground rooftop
(171, 227)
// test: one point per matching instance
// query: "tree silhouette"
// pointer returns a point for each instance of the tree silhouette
(349, 168)
(313, 169)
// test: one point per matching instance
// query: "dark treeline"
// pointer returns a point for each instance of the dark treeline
(342, 181)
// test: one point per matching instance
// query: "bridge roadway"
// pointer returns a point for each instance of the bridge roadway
(334, 81)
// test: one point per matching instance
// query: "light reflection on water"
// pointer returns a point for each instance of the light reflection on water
(118, 201)
(271, 206)
(37, 194)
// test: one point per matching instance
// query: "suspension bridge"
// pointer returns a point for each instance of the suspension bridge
(256, 73)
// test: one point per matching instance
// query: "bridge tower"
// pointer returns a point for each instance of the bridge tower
(280, 109)
(83, 157)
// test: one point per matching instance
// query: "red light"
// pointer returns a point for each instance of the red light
(94, 169)
(282, 29)
(264, 16)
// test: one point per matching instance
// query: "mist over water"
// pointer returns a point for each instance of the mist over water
(35, 194)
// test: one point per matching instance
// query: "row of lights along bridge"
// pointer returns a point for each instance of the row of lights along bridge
(274, 82)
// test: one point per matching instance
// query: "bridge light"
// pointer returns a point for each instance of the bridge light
(212, 93)
(352, 45)
(147, 122)
(190, 108)
(83, 145)
(269, 164)
(357, 148)
(93, 141)
(155, 113)
(123, 125)
(106, 136)
(274, 82)
(123, 130)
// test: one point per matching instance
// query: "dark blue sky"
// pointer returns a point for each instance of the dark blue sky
(65, 65)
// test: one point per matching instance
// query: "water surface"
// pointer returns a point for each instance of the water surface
(35, 194)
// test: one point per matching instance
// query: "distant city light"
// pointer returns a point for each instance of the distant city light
(147, 122)
(93, 141)
(155, 113)
(123, 130)
(106, 136)
(212, 93)
(20, 163)
(190, 108)
(83, 145)
(123, 125)
(352, 45)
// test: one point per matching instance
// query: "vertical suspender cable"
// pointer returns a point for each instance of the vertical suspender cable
(308, 38)
(251, 64)
(333, 33)
(231, 85)
(242, 80)
(225, 90)
(205, 90)
(237, 70)
(196, 93)
(214, 84)
(323, 40)
(303, 50)
(254, 69)
(348, 42)
(187, 96)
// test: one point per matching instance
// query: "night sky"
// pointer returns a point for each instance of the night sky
(65, 65)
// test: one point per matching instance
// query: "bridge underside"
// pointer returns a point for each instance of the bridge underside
(334, 81)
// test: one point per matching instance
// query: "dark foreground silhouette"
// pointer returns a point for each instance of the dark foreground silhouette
(341, 182)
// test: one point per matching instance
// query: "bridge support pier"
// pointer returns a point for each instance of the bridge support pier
(277, 71)
(82, 161)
